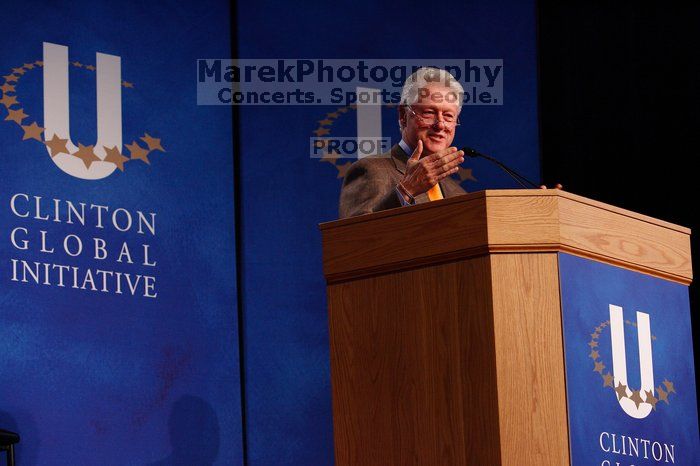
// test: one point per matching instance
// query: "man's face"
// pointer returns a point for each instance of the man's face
(433, 119)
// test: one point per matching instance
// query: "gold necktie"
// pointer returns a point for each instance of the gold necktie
(434, 193)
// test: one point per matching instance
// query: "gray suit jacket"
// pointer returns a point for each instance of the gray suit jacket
(370, 184)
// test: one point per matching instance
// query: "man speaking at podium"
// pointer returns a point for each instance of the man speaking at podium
(418, 169)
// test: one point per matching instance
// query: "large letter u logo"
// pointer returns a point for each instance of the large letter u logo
(109, 111)
(633, 404)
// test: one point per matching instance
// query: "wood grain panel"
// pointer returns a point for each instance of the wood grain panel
(504, 221)
(413, 365)
(523, 220)
(624, 240)
(408, 237)
(529, 359)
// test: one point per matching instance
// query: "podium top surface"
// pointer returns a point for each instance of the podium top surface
(504, 221)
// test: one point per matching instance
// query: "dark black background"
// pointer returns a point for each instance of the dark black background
(619, 108)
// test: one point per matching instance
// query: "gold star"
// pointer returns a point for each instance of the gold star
(653, 337)
(321, 131)
(10, 78)
(598, 329)
(593, 344)
(320, 143)
(621, 391)
(19, 70)
(594, 355)
(8, 100)
(28, 66)
(608, 380)
(595, 336)
(138, 152)
(466, 174)
(152, 143)
(57, 146)
(636, 398)
(651, 399)
(128, 84)
(32, 131)
(76, 63)
(325, 122)
(604, 324)
(331, 157)
(90, 67)
(7, 88)
(16, 115)
(114, 156)
(342, 169)
(86, 154)
(669, 386)
(599, 366)
(39, 63)
(342, 110)
(663, 396)
(332, 115)
(634, 324)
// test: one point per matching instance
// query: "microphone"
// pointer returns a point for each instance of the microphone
(520, 179)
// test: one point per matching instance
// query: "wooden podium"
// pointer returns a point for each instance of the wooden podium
(438, 314)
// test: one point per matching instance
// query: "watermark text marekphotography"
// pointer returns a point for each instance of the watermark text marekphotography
(336, 82)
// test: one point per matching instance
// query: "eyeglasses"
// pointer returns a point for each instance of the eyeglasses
(430, 117)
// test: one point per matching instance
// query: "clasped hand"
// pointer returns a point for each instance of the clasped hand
(424, 173)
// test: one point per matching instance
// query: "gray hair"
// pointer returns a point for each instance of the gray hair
(425, 76)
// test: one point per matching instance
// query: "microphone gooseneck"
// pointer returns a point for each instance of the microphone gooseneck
(520, 179)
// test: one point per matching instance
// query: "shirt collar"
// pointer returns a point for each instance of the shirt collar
(405, 147)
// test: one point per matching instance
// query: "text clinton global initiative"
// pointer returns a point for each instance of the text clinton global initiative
(82, 246)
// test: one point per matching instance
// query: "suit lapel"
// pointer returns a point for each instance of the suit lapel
(450, 187)
(399, 157)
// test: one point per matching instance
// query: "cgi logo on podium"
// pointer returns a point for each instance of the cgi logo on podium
(638, 407)
(636, 403)
(639, 403)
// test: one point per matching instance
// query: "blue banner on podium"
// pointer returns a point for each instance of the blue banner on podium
(629, 367)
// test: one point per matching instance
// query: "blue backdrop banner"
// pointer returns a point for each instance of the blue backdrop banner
(629, 367)
(287, 188)
(118, 328)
